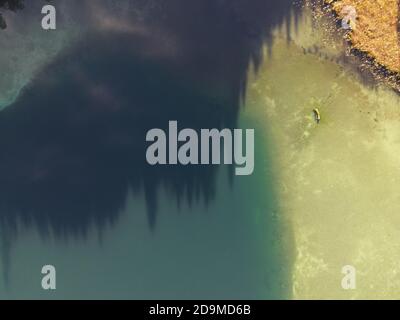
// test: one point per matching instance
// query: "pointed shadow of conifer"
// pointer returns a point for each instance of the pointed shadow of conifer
(73, 144)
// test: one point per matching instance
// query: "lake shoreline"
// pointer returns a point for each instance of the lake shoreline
(374, 60)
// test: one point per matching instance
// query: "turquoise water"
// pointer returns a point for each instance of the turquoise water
(231, 249)
(75, 190)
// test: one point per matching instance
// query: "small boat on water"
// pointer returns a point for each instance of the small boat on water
(317, 115)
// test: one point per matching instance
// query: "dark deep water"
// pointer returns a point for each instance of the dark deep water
(76, 192)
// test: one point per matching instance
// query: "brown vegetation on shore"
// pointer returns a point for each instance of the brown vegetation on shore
(377, 29)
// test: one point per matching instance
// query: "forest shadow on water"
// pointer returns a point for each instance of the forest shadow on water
(73, 143)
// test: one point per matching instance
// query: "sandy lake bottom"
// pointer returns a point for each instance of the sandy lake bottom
(337, 182)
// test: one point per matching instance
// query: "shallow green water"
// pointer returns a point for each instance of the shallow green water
(337, 180)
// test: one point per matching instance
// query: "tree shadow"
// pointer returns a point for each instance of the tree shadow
(12, 5)
(73, 144)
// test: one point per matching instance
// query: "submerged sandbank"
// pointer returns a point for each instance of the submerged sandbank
(338, 180)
